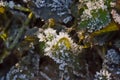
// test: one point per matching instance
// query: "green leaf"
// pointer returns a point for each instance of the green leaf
(100, 18)
(41, 48)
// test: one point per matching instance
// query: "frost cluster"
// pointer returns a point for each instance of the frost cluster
(115, 16)
(103, 75)
(113, 57)
(91, 6)
(111, 67)
(58, 9)
(60, 47)
(26, 1)
(59, 5)
(26, 69)
(95, 15)
(46, 35)
(2, 3)
(112, 63)
(9, 4)
(96, 24)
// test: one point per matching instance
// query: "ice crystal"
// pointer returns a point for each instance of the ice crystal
(11, 4)
(47, 35)
(2, 3)
(112, 63)
(113, 57)
(26, 69)
(92, 5)
(103, 75)
(50, 33)
(115, 16)
(95, 16)
(57, 9)
(25, 1)
(112, 4)
(61, 48)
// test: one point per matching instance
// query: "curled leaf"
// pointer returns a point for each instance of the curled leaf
(111, 27)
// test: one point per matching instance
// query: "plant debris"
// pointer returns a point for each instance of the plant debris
(59, 40)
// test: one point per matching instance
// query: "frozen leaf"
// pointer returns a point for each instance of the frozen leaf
(57, 9)
(100, 19)
(111, 27)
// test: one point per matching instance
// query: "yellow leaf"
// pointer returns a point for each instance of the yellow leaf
(29, 38)
(81, 35)
(85, 46)
(65, 41)
(30, 15)
(22, 8)
(111, 27)
(2, 9)
(51, 22)
(3, 36)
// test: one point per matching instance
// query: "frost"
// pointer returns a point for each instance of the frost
(92, 5)
(25, 1)
(48, 45)
(103, 75)
(45, 76)
(95, 16)
(110, 69)
(26, 69)
(62, 49)
(115, 16)
(67, 19)
(2, 3)
(112, 63)
(113, 57)
(97, 22)
(11, 4)
(50, 33)
(57, 9)
(47, 35)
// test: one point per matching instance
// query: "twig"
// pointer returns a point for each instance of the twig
(21, 32)
(45, 76)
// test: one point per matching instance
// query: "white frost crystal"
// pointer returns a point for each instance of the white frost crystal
(113, 57)
(11, 4)
(47, 35)
(112, 63)
(92, 5)
(50, 33)
(57, 9)
(2, 3)
(95, 15)
(26, 69)
(103, 75)
(60, 47)
(115, 16)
